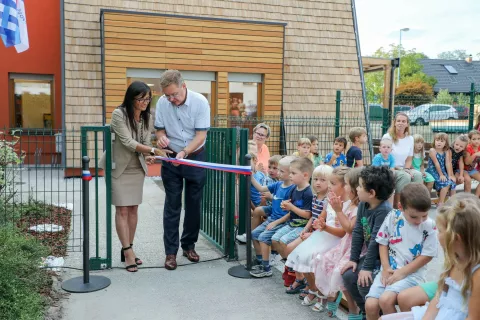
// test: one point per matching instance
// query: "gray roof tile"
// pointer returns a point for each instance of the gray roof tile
(455, 83)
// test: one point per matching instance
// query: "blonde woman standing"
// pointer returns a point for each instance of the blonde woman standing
(402, 151)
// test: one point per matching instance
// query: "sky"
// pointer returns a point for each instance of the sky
(435, 25)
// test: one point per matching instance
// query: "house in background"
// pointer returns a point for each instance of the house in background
(454, 75)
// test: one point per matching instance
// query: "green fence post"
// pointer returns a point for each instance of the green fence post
(385, 120)
(338, 100)
(243, 180)
(231, 192)
(472, 106)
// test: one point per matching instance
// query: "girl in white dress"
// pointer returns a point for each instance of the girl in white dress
(458, 295)
(327, 233)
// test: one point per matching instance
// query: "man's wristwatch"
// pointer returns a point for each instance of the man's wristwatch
(152, 152)
(186, 153)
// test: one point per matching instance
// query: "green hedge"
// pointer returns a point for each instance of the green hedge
(21, 279)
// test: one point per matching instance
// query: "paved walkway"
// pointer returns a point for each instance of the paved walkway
(200, 291)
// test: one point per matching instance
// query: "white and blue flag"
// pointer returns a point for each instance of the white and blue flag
(13, 24)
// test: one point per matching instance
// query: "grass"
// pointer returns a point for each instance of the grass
(23, 285)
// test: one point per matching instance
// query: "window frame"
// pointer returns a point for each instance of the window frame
(30, 78)
(257, 78)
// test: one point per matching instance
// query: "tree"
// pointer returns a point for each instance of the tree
(443, 97)
(414, 93)
(410, 71)
(453, 55)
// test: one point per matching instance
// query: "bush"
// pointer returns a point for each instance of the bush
(413, 93)
(9, 157)
(21, 279)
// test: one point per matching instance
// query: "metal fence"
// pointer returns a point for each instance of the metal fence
(36, 194)
(428, 115)
(286, 130)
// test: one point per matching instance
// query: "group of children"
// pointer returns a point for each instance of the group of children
(448, 164)
(340, 235)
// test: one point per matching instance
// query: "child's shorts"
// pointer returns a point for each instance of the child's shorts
(472, 172)
(428, 178)
(267, 210)
(430, 289)
(261, 233)
(287, 234)
(377, 288)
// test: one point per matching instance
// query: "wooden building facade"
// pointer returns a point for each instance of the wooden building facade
(288, 54)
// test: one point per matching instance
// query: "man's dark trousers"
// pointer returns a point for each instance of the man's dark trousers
(173, 178)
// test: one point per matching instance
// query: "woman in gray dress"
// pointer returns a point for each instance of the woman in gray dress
(132, 151)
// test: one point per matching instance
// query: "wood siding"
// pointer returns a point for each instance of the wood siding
(320, 49)
(159, 42)
(320, 54)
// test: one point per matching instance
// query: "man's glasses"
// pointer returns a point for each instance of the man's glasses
(143, 100)
(261, 135)
(172, 96)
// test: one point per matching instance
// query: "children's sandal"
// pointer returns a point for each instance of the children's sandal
(355, 316)
(332, 307)
(301, 285)
(319, 307)
(307, 302)
(303, 294)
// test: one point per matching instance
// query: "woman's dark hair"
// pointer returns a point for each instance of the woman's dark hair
(139, 90)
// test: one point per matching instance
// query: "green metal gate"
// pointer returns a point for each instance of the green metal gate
(97, 135)
(219, 195)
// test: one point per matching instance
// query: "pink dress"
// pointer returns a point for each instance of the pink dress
(328, 266)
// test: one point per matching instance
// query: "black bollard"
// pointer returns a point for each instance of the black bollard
(86, 283)
(243, 271)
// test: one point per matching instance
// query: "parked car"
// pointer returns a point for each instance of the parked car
(462, 112)
(401, 108)
(428, 112)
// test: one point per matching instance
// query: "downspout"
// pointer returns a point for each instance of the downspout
(283, 143)
(62, 80)
(102, 47)
(362, 79)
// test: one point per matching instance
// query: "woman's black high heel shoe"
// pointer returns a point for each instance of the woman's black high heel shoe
(138, 261)
(122, 258)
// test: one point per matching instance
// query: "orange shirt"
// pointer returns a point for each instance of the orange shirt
(263, 155)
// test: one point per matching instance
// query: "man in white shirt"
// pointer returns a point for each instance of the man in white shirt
(182, 120)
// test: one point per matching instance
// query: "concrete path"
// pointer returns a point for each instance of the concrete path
(200, 291)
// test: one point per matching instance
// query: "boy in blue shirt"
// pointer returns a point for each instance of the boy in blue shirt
(298, 207)
(357, 136)
(262, 235)
(337, 157)
(384, 158)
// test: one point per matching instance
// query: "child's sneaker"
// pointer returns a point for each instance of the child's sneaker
(285, 273)
(273, 259)
(261, 272)
(289, 279)
(242, 238)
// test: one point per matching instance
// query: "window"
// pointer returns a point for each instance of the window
(450, 69)
(32, 101)
(201, 82)
(245, 99)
